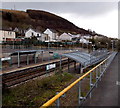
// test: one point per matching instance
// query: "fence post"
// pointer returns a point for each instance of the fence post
(103, 68)
(96, 75)
(91, 84)
(57, 102)
(79, 92)
(60, 64)
(18, 59)
(27, 59)
(42, 55)
(100, 71)
(35, 58)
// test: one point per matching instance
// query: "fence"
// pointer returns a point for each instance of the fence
(99, 70)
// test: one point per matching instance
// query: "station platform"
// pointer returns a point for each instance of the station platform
(106, 94)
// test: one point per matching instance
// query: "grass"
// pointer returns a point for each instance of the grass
(36, 92)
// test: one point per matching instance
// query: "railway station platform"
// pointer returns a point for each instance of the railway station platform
(106, 94)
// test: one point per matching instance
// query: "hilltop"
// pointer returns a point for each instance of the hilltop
(37, 19)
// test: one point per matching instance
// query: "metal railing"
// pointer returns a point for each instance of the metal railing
(98, 69)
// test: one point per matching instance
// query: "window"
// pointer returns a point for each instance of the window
(37, 35)
(10, 33)
(45, 38)
(32, 34)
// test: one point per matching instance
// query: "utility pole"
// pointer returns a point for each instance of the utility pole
(14, 6)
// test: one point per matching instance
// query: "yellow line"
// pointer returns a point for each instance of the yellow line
(49, 102)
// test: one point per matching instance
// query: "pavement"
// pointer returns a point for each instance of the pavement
(106, 94)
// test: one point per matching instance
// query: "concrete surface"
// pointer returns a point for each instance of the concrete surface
(106, 94)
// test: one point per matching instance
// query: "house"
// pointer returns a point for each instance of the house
(31, 32)
(19, 32)
(98, 37)
(52, 34)
(75, 35)
(66, 37)
(45, 37)
(6, 34)
(87, 37)
(83, 40)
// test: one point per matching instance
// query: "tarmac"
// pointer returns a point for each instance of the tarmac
(106, 94)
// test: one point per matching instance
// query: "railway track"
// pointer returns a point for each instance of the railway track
(20, 76)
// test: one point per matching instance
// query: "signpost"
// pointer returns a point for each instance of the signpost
(50, 66)
(5, 59)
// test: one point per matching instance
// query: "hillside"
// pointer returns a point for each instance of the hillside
(37, 19)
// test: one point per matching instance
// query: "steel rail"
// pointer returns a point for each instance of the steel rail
(49, 102)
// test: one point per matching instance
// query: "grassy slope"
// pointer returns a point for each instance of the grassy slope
(37, 19)
(36, 92)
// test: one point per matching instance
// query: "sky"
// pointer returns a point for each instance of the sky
(101, 17)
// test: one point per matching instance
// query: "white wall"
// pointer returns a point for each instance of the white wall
(45, 37)
(87, 36)
(29, 33)
(50, 34)
(65, 36)
(82, 40)
(6, 34)
(1, 36)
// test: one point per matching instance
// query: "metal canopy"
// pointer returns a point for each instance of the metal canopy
(84, 58)
(25, 52)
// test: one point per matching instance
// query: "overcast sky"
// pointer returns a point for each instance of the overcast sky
(101, 17)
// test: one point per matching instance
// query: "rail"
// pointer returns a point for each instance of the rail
(98, 77)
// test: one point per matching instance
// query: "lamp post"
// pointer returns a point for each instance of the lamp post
(13, 43)
(61, 47)
(88, 46)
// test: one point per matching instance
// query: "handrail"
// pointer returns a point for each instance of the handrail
(49, 102)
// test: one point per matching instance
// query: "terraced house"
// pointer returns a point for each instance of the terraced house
(7, 35)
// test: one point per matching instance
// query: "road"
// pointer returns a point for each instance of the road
(106, 94)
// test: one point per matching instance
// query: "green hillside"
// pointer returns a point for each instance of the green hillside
(37, 19)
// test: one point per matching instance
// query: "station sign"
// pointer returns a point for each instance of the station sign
(6, 58)
(50, 66)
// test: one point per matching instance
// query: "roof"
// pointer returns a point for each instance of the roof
(84, 58)
(7, 30)
(25, 52)
(52, 30)
(66, 34)
(35, 30)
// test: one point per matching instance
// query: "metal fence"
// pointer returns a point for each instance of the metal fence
(98, 72)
